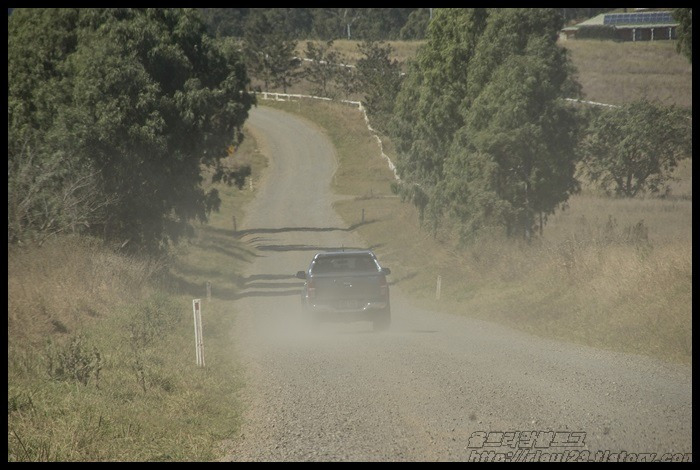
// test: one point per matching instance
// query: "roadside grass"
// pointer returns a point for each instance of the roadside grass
(101, 360)
(610, 273)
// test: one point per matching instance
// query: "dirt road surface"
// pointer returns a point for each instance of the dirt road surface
(434, 386)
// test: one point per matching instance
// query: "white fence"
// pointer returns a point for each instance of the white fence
(592, 103)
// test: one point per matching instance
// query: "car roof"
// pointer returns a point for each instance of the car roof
(344, 253)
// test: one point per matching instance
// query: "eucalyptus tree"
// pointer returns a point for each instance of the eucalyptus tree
(684, 16)
(379, 79)
(141, 100)
(634, 148)
(270, 50)
(481, 127)
(323, 67)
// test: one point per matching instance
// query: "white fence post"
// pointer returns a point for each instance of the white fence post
(198, 339)
(438, 287)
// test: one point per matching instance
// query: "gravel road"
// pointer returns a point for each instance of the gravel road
(426, 389)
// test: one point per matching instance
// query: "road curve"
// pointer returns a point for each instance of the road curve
(429, 387)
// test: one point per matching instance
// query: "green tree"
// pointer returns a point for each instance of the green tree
(427, 110)
(416, 25)
(514, 161)
(481, 127)
(345, 80)
(379, 79)
(336, 23)
(141, 98)
(295, 23)
(634, 148)
(684, 16)
(225, 22)
(323, 67)
(270, 51)
(378, 24)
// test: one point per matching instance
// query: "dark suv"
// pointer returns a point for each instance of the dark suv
(346, 286)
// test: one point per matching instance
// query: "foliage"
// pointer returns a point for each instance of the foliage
(426, 114)
(684, 16)
(416, 25)
(379, 78)
(479, 123)
(323, 68)
(345, 79)
(321, 23)
(359, 23)
(48, 197)
(270, 50)
(335, 23)
(139, 98)
(363, 24)
(225, 22)
(377, 24)
(634, 148)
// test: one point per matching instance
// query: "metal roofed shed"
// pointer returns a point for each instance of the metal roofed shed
(636, 26)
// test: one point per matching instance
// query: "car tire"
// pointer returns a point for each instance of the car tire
(382, 320)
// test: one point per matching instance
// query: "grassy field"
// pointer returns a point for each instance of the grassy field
(611, 273)
(609, 72)
(620, 72)
(101, 360)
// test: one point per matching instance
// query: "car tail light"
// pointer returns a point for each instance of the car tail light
(311, 288)
(383, 286)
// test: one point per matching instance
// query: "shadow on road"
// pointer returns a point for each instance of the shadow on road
(305, 248)
(266, 293)
(312, 248)
(241, 233)
(263, 285)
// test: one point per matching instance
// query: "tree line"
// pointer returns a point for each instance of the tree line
(360, 24)
(323, 24)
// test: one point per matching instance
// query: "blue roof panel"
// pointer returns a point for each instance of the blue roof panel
(651, 17)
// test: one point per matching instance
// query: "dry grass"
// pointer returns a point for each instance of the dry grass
(61, 286)
(128, 323)
(143, 398)
(620, 72)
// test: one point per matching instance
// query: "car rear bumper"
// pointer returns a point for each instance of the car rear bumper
(348, 312)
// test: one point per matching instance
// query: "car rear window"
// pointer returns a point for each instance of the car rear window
(354, 263)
